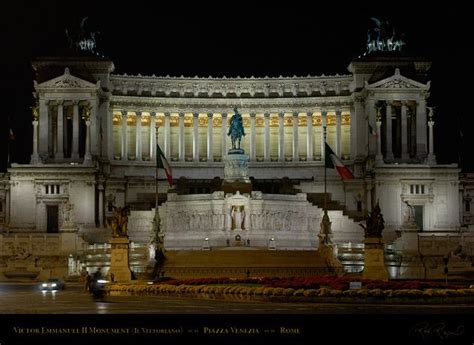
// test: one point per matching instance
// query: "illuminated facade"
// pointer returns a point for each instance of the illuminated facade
(94, 142)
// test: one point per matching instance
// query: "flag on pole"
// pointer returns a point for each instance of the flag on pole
(334, 162)
(162, 162)
(372, 131)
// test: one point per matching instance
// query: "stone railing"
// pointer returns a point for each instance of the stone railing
(231, 87)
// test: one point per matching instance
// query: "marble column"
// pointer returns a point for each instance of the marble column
(75, 131)
(152, 136)
(100, 187)
(224, 136)
(281, 137)
(295, 151)
(404, 131)
(309, 136)
(388, 131)
(196, 137)
(94, 128)
(338, 132)
(87, 151)
(431, 159)
(181, 138)
(138, 136)
(266, 142)
(210, 148)
(358, 130)
(124, 136)
(167, 136)
(253, 137)
(8, 206)
(421, 129)
(107, 141)
(324, 114)
(35, 159)
(368, 203)
(378, 156)
(43, 128)
(372, 114)
(60, 131)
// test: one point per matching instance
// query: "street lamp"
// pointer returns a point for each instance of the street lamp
(445, 261)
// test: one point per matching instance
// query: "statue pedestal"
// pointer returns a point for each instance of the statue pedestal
(68, 227)
(119, 259)
(236, 173)
(411, 265)
(408, 241)
(374, 261)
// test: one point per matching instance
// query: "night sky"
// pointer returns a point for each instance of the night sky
(237, 40)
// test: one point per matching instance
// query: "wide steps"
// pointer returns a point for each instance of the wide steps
(317, 199)
(243, 263)
(243, 258)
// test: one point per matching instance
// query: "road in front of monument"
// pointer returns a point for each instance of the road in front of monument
(26, 298)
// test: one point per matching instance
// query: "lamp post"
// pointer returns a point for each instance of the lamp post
(445, 261)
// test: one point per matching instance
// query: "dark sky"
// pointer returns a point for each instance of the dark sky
(243, 39)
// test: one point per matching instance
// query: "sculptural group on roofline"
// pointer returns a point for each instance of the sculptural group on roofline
(383, 37)
(82, 39)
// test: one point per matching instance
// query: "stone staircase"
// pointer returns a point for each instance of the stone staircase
(317, 199)
(345, 224)
(244, 263)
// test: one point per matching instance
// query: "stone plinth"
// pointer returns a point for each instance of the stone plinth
(374, 261)
(408, 240)
(236, 173)
(119, 259)
(68, 227)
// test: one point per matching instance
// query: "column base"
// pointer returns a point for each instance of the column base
(35, 159)
(379, 159)
(87, 161)
(431, 159)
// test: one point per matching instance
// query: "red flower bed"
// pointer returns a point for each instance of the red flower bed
(315, 282)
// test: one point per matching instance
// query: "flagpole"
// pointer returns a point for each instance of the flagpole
(325, 182)
(156, 169)
(157, 215)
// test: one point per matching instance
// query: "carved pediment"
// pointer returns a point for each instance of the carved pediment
(66, 81)
(398, 82)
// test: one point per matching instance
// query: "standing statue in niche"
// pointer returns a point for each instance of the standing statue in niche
(409, 213)
(238, 215)
(67, 214)
(119, 221)
(374, 223)
(236, 131)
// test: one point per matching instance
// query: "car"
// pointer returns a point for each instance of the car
(52, 284)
